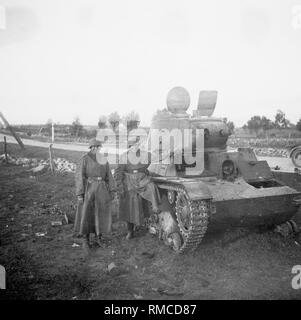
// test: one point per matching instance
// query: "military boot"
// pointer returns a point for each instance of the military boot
(99, 240)
(86, 242)
(130, 233)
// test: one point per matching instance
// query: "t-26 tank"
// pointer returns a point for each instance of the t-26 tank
(234, 189)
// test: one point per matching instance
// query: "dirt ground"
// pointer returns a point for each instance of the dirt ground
(45, 262)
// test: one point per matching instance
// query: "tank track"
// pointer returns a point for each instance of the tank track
(199, 219)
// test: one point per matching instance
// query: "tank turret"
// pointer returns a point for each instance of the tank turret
(216, 132)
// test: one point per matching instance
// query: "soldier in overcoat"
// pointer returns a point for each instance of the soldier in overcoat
(95, 189)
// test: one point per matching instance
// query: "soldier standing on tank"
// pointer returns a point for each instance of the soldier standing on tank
(95, 189)
(134, 184)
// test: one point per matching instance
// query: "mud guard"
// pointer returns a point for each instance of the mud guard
(196, 189)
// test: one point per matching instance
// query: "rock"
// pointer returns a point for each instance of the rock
(170, 292)
(39, 169)
(56, 223)
(152, 230)
(148, 254)
(283, 229)
(138, 296)
(111, 266)
(40, 234)
(117, 271)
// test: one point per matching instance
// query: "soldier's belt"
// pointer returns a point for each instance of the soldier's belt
(91, 179)
(137, 171)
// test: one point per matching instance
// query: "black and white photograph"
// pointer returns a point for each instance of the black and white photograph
(150, 152)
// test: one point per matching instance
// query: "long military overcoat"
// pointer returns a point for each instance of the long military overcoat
(95, 182)
(134, 184)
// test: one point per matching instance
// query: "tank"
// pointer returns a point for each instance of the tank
(234, 189)
(295, 155)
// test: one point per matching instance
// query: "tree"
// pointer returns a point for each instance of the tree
(257, 123)
(114, 120)
(254, 124)
(266, 123)
(161, 114)
(230, 125)
(102, 122)
(298, 125)
(131, 120)
(280, 121)
(76, 127)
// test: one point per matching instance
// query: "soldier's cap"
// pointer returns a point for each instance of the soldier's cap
(94, 143)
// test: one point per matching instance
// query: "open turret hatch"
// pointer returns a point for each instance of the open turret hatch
(206, 103)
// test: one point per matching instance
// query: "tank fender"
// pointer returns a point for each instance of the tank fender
(197, 190)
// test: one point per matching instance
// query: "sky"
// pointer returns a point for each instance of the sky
(65, 58)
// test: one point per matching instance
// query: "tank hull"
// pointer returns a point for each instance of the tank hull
(242, 205)
(238, 203)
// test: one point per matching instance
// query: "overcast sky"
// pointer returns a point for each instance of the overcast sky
(65, 58)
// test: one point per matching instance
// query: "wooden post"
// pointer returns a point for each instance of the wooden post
(52, 132)
(5, 149)
(51, 158)
(16, 136)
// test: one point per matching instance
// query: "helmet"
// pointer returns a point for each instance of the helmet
(94, 143)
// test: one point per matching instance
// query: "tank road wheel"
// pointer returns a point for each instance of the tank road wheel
(193, 218)
(296, 157)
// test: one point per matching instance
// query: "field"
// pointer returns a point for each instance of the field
(45, 262)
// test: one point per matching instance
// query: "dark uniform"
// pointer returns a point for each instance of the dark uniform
(134, 184)
(94, 188)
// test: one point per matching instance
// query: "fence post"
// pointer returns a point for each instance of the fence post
(5, 149)
(52, 132)
(51, 158)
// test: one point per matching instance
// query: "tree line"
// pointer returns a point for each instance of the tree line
(131, 120)
(113, 120)
(262, 123)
